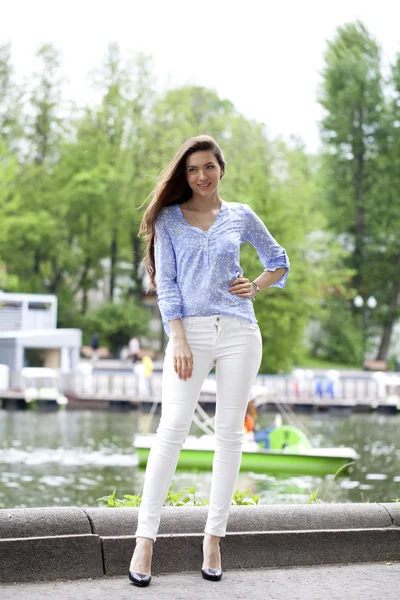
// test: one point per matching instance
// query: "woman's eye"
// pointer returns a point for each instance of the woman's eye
(210, 167)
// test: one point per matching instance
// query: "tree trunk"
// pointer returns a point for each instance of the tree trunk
(36, 263)
(84, 304)
(57, 278)
(83, 285)
(113, 263)
(389, 322)
(136, 259)
(359, 224)
(87, 265)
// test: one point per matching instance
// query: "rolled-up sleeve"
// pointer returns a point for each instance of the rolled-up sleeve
(168, 294)
(270, 253)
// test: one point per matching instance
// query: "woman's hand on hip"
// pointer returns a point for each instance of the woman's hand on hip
(182, 357)
(242, 287)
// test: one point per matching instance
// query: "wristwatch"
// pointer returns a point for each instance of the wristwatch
(257, 290)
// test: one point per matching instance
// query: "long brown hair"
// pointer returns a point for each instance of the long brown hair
(172, 188)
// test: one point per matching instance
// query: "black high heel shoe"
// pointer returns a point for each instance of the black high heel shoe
(211, 574)
(139, 579)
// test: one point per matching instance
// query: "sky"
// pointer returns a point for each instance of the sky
(265, 56)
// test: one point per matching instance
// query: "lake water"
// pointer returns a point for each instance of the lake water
(74, 458)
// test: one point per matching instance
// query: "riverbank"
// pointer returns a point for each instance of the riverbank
(47, 544)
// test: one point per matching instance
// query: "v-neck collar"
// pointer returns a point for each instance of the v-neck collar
(180, 213)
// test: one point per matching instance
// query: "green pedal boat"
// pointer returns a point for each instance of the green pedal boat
(282, 449)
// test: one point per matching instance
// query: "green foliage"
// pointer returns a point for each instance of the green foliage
(11, 129)
(111, 501)
(9, 206)
(340, 337)
(313, 498)
(343, 468)
(175, 499)
(186, 497)
(116, 323)
(286, 201)
(244, 498)
(308, 362)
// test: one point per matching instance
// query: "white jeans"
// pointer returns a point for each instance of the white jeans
(234, 346)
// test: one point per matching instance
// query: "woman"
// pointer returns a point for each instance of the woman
(193, 258)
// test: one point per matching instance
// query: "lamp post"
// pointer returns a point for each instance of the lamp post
(370, 304)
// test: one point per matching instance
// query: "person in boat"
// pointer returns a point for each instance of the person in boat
(250, 417)
(193, 240)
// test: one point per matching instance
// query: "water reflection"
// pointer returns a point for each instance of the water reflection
(73, 458)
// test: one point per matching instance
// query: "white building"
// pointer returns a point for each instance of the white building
(29, 334)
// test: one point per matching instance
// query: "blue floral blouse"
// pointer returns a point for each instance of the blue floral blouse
(194, 267)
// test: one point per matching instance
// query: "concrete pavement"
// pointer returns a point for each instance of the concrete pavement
(378, 581)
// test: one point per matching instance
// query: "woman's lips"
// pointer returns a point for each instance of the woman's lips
(203, 187)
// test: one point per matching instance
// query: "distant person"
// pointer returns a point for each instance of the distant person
(144, 371)
(134, 349)
(95, 344)
(148, 371)
(250, 417)
(193, 241)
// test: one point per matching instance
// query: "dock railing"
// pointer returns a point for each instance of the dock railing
(314, 391)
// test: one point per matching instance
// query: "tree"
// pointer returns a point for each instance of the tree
(284, 195)
(9, 205)
(10, 102)
(121, 124)
(116, 323)
(383, 220)
(352, 97)
(36, 254)
(185, 112)
(352, 129)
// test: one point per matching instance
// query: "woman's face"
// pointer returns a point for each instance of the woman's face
(203, 172)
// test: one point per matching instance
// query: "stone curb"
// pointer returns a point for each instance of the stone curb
(393, 510)
(278, 517)
(252, 550)
(49, 558)
(43, 522)
(73, 543)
